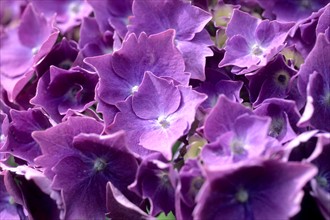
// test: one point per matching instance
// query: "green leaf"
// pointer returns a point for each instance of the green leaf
(176, 147)
(162, 216)
(11, 161)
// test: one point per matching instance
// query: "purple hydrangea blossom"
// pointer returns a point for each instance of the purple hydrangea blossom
(62, 55)
(24, 47)
(168, 15)
(321, 183)
(303, 35)
(237, 144)
(191, 179)
(61, 90)
(121, 73)
(315, 76)
(188, 22)
(218, 121)
(69, 13)
(155, 180)
(8, 208)
(217, 83)
(254, 43)
(229, 194)
(56, 142)
(19, 141)
(112, 14)
(290, 10)
(284, 115)
(92, 159)
(96, 160)
(92, 42)
(156, 115)
(272, 81)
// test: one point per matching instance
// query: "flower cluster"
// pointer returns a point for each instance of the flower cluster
(165, 109)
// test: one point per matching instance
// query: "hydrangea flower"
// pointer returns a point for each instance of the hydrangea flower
(121, 73)
(219, 122)
(82, 177)
(314, 74)
(156, 115)
(321, 183)
(284, 115)
(191, 179)
(8, 208)
(238, 144)
(272, 191)
(61, 90)
(155, 180)
(112, 14)
(62, 55)
(303, 35)
(290, 10)
(252, 42)
(56, 142)
(91, 159)
(188, 22)
(275, 80)
(24, 47)
(69, 13)
(217, 83)
(19, 140)
(92, 42)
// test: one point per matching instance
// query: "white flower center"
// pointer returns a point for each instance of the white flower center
(74, 7)
(35, 50)
(134, 89)
(242, 195)
(99, 164)
(257, 50)
(236, 147)
(162, 120)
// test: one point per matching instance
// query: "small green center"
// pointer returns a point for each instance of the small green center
(236, 147)
(164, 178)
(163, 122)
(65, 64)
(99, 164)
(75, 92)
(276, 127)
(322, 181)
(197, 183)
(242, 195)
(257, 50)
(282, 78)
(11, 200)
